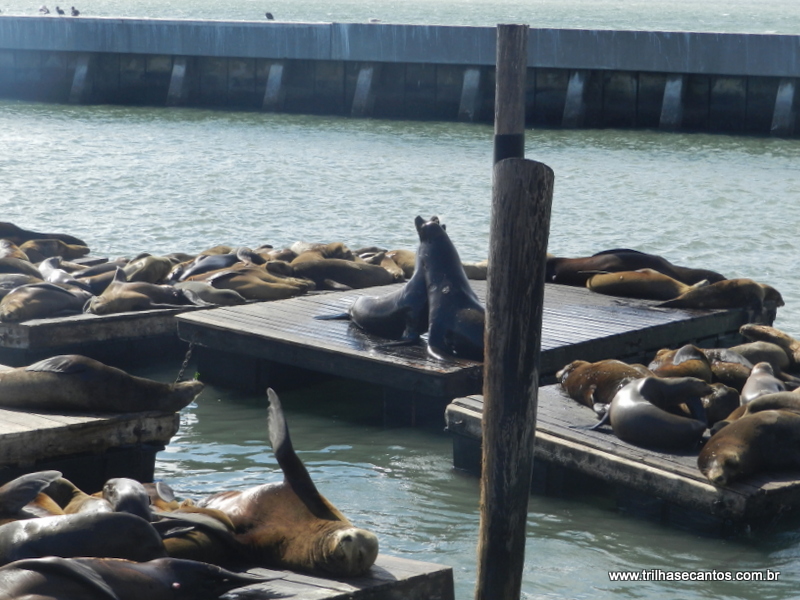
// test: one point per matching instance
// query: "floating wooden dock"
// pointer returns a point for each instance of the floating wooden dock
(116, 339)
(390, 577)
(663, 486)
(87, 448)
(279, 343)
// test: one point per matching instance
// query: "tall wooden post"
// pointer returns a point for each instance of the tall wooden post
(509, 100)
(522, 193)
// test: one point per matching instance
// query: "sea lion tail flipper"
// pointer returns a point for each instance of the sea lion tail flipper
(337, 317)
(294, 470)
(603, 420)
(18, 492)
(410, 341)
(588, 395)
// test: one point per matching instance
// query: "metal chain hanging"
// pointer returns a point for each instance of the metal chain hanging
(185, 361)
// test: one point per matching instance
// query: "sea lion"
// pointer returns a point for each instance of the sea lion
(380, 259)
(328, 272)
(763, 441)
(115, 535)
(38, 250)
(56, 578)
(405, 259)
(251, 285)
(477, 270)
(686, 361)
(203, 292)
(576, 271)
(10, 281)
(205, 263)
(15, 234)
(128, 495)
(204, 534)
(9, 264)
(762, 381)
(731, 293)
(41, 301)
(290, 524)
(721, 403)
(639, 412)
(764, 333)
(73, 500)
(150, 269)
(10, 249)
(78, 383)
(756, 352)
(123, 296)
(597, 383)
(455, 315)
(51, 271)
(18, 496)
(773, 401)
(313, 252)
(645, 284)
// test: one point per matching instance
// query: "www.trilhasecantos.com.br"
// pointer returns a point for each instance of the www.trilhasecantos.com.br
(660, 575)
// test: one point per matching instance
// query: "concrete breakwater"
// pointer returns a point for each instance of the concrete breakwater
(736, 83)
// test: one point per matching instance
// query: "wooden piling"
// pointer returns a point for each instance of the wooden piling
(509, 104)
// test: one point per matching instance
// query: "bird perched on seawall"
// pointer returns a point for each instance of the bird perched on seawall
(44, 10)
(75, 12)
(269, 16)
(59, 10)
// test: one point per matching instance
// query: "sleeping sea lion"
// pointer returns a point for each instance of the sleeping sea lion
(455, 315)
(290, 524)
(78, 383)
(73, 500)
(645, 284)
(115, 535)
(312, 252)
(51, 271)
(251, 285)
(639, 413)
(9, 248)
(686, 361)
(38, 250)
(55, 578)
(200, 292)
(721, 403)
(576, 271)
(123, 296)
(205, 263)
(765, 333)
(328, 272)
(9, 264)
(41, 301)
(19, 496)
(15, 234)
(597, 383)
(763, 441)
(150, 269)
(10, 281)
(762, 381)
(731, 293)
(405, 259)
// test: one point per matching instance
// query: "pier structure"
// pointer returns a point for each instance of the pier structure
(674, 81)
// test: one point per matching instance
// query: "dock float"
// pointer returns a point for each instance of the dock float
(87, 448)
(389, 577)
(116, 339)
(279, 343)
(663, 486)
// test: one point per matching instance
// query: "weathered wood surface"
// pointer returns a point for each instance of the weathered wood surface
(562, 438)
(577, 323)
(389, 578)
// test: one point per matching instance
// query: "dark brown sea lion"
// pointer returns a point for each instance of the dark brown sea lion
(598, 382)
(762, 381)
(290, 524)
(325, 273)
(41, 301)
(455, 315)
(576, 271)
(728, 367)
(721, 403)
(763, 441)
(686, 361)
(78, 383)
(10, 281)
(38, 250)
(128, 495)
(11, 232)
(19, 496)
(115, 535)
(731, 293)
(9, 264)
(646, 284)
(122, 295)
(774, 401)
(55, 578)
(205, 263)
(639, 413)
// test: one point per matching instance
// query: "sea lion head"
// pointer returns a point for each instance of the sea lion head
(725, 466)
(428, 230)
(348, 552)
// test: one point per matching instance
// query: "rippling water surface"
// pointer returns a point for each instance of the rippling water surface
(162, 180)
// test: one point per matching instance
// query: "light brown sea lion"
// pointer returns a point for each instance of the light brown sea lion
(10, 249)
(56, 578)
(313, 252)
(728, 367)
(19, 498)
(290, 524)
(78, 383)
(387, 263)
(598, 382)
(10, 264)
(762, 381)
(756, 352)
(575, 271)
(405, 259)
(346, 272)
(11, 232)
(116, 535)
(773, 401)
(123, 296)
(639, 413)
(764, 333)
(250, 285)
(686, 361)
(74, 500)
(477, 270)
(645, 284)
(763, 441)
(206, 263)
(731, 293)
(41, 301)
(38, 250)
(150, 269)
(10, 281)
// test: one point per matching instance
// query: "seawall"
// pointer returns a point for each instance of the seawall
(734, 83)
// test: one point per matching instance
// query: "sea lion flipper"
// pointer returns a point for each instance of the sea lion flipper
(293, 468)
(337, 317)
(18, 492)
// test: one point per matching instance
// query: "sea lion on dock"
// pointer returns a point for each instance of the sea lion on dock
(41, 301)
(18, 495)
(254, 284)
(405, 259)
(9, 264)
(15, 234)
(128, 495)
(206, 263)
(11, 281)
(721, 403)
(730, 293)
(639, 413)
(115, 535)
(686, 361)
(455, 315)
(576, 271)
(51, 271)
(122, 295)
(645, 284)
(597, 383)
(10, 249)
(290, 524)
(763, 441)
(762, 381)
(38, 250)
(765, 333)
(78, 383)
(148, 268)
(326, 273)
(56, 578)
(203, 292)
(73, 500)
